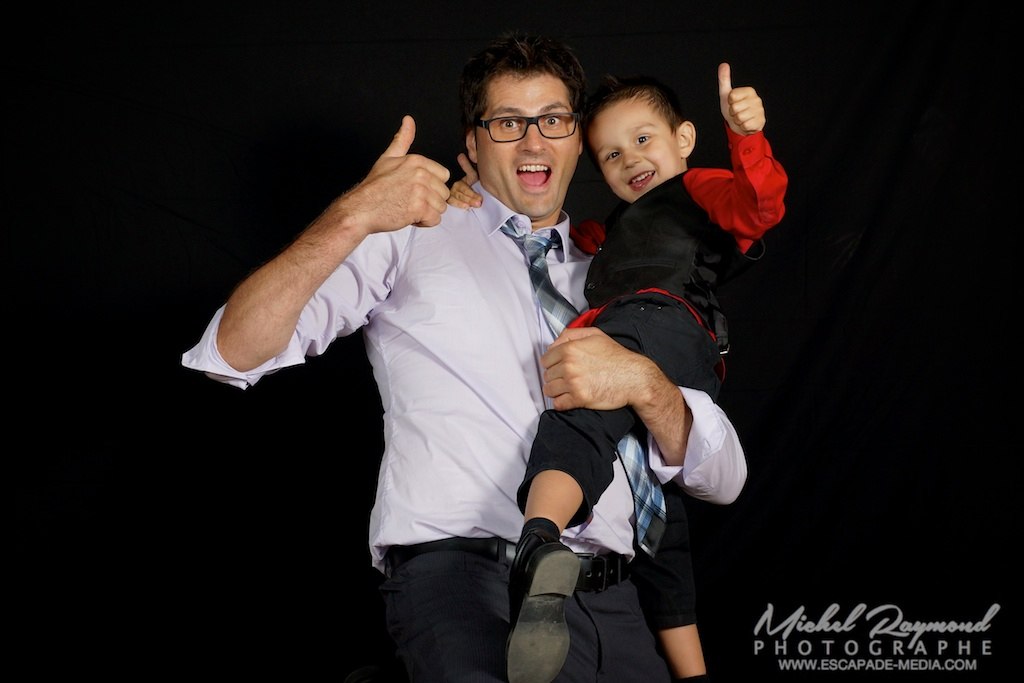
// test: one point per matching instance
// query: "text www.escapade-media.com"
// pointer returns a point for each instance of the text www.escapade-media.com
(878, 639)
(877, 664)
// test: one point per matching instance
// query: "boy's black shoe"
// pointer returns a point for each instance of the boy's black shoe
(543, 574)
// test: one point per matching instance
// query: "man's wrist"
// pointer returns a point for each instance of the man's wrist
(663, 410)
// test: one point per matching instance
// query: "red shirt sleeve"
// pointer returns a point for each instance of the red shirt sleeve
(748, 200)
(587, 236)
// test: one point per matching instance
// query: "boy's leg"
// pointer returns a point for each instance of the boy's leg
(665, 583)
(543, 575)
(570, 465)
(665, 586)
(663, 329)
(580, 443)
(681, 648)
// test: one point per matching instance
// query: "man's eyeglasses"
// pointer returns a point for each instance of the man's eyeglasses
(512, 128)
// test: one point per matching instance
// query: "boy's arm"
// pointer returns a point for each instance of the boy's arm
(748, 200)
(742, 108)
(462, 194)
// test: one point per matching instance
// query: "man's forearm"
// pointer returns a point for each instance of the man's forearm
(401, 189)
(660, 405)
(585, 368)
(262, 312)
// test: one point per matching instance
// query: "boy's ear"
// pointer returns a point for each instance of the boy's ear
(686, 137)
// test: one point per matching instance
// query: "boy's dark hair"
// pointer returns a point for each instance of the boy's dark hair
(613, 89)
(519, 55)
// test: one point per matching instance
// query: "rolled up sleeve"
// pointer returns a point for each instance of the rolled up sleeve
(205, 358)
(715, 467)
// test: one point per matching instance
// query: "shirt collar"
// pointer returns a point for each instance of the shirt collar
(495, 214)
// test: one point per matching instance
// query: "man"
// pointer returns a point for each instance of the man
(459, 348)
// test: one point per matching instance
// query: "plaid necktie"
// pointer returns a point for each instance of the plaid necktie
(557, 311)
(648, 499)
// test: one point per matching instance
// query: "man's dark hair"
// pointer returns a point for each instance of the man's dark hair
(521, 56)
(614, 89)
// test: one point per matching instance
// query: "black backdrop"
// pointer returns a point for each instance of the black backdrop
(155, 155)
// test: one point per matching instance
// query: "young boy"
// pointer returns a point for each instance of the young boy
(676, 236)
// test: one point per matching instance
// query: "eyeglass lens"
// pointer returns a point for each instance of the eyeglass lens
(509, 128)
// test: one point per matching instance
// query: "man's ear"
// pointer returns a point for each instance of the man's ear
(686, 138)
(471, 145)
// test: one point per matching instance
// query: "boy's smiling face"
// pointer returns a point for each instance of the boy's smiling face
(636, 149)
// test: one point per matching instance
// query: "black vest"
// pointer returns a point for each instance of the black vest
(666, 241)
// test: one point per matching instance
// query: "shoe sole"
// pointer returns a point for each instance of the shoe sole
(539, 641)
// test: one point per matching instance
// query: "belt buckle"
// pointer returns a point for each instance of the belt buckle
(598, 565)
(506, 551)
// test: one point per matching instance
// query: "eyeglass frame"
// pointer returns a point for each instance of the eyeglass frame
(531, 121)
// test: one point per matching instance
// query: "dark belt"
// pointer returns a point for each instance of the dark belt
(597, 572)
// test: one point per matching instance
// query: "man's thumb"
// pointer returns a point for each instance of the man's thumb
(402, 141)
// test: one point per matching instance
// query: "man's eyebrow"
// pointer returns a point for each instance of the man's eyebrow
(559, 107)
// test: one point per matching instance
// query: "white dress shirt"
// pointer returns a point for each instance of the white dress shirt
(454, 334)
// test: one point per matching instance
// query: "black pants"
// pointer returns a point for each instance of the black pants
(448, 615)
(582, 442)
(665, 583)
